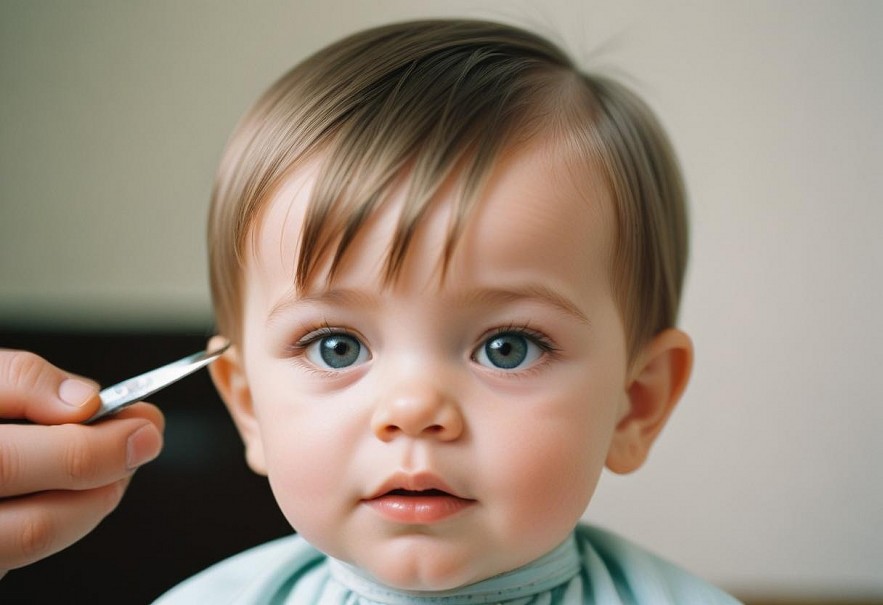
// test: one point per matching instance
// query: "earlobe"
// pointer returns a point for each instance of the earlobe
(659, 377)
(228, 375)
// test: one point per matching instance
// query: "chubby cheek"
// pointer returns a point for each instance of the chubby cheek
(551, 466)
(307, 489)
(306, 454)
(552, 483)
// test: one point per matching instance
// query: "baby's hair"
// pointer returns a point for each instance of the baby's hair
(437, 100)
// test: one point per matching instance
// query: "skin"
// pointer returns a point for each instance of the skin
(58, 480)
(517, 451)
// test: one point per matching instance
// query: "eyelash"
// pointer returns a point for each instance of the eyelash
(315, 334)
(298, 348)
(541, 340)
(545, 344)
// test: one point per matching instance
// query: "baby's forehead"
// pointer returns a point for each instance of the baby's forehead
(535, 195)
(277, 227)
(542, 202)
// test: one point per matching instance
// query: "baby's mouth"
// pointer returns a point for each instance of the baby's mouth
(417, 506)
(408, 493)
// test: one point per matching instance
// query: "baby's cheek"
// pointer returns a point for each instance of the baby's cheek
(302, 478)
(549, 476)
(556, 484)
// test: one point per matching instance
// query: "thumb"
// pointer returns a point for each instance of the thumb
(33, 389)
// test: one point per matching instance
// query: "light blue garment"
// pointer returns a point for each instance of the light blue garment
(592, 566)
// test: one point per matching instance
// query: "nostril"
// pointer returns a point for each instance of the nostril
(390, 430)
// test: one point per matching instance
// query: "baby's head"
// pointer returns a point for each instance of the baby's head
(450, 265)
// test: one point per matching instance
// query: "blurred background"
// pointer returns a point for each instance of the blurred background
(768, 480)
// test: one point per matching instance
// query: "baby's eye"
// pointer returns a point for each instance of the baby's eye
(336, 351)
(508, 351)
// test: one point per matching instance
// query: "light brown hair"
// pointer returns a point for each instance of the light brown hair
(433, 100)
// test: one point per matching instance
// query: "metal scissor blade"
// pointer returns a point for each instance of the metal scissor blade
(127, 392)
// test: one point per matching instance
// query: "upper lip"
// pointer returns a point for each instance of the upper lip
(413, 482)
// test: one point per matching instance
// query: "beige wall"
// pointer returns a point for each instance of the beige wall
(113, 115)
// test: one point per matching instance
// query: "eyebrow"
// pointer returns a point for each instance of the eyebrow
(532, 292)
(344, 297)
(335, 296)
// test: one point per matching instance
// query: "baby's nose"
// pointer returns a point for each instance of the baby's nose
(418, 409)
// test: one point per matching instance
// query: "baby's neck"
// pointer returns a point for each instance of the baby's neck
(552, 569)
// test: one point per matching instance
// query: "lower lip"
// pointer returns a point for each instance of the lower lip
(418, 510)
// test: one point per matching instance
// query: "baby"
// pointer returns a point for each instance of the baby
(450, 265)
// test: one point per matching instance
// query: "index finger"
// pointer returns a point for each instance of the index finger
(33, 389)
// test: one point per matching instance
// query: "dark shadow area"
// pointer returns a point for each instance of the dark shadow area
(196, 504)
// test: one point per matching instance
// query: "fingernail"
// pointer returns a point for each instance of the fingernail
(75, 392)
(143, 446)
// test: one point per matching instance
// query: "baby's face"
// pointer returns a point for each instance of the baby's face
(439, 432)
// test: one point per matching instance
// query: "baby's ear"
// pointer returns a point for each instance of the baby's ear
(228, 374)
(658, 378)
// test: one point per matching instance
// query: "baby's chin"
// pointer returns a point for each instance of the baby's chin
(424, 559)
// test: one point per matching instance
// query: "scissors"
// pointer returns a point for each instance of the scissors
(127, 392)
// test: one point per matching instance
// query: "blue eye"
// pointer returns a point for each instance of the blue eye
(336, 351)
(508, 351)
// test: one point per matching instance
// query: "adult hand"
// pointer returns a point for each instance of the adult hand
(59, 480)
